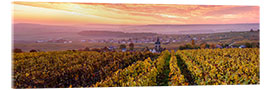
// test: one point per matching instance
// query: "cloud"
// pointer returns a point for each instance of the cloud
(106, 13)
(233, 10)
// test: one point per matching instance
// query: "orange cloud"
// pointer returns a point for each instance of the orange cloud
(100, 13)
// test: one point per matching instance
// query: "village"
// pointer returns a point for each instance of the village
(162, 42)
(166, 39)
(158, 43)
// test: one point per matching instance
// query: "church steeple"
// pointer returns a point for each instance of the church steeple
(157, 42)
(157, 45)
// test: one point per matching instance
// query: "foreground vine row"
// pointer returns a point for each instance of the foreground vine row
(176, 78)
(142, 73)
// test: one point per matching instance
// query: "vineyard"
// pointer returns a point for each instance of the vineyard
(62, 69)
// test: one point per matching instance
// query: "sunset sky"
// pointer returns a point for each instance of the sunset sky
(63, 13)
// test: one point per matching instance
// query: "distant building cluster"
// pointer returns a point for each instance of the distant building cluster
(54, 41)
(165, 40)
(129, 47)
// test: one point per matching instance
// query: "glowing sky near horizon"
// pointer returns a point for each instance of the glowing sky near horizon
(132, 14)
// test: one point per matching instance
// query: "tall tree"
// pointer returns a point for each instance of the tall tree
(213, 46)
(131, 46)
(17, 50)
(122, 46)
(33, 50)
(204, 45)
(86, 49)
(193, 42)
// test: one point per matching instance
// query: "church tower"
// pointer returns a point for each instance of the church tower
(157, 45)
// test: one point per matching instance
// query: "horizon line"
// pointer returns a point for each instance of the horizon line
(133, 24)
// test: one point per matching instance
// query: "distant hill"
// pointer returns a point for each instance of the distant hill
(116, 34)
(25, 32)
(28, 28)
(191, 28)
(32, 32)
